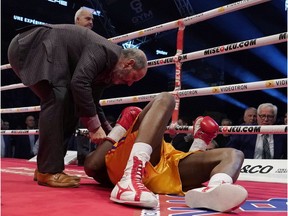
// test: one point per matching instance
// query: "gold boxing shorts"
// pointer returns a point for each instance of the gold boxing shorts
(164, 178)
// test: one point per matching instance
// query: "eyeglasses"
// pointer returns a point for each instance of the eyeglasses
(266, 116)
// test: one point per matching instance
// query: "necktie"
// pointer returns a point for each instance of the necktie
(266, 149)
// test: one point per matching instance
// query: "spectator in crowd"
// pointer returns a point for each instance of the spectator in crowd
(250, 116)
(7, 145)
(222, 139)
(262, 146)
(24, 144)
(6, 125)
(84, 17)
(182, 141)
(282, 120)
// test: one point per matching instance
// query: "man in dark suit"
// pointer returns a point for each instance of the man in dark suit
(253, 145)
(69, 67)
(223, 139)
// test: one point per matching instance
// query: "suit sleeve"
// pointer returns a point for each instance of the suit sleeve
(88, 68)
(104, 123)
(97, 91)
(233, 142)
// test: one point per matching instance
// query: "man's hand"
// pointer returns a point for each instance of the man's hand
(97, 136)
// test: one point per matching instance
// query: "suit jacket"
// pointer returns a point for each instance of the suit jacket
(9, 145)
(222, 140)
(22, 146)
(67, 56)
(180, 143)
(247, 143)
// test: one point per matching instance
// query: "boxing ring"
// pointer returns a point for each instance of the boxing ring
(265, 180)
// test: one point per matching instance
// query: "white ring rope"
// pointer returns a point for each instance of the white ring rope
(239, 129)
(273, 39)
(21, 109)
(13, 86)
(179, 58)
(186, 21)
(225, 89)
(223, 49)
(6, 66)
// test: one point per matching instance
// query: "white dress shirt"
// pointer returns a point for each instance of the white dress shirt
(258, 153)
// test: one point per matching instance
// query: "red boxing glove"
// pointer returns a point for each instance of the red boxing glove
(205, 128)
(128, 116)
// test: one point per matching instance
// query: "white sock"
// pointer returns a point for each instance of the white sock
(143, 152)
(220, 178)
(139, 147)
(117, 133)
(198, 144)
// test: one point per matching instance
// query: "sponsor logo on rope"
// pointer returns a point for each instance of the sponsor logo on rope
(281, 82)
(146, 97)
(248, 129)
(193, 17)
(283, 36)
(221, 9)
(166, 60)
(233, 88)
(187, 92)
(229, 47)
(116, 100)
(20, 131)
(269, 84)
(118, 37)
(152, 29)
(215, 90)
(135, 99)
(237, 3)
(182, 127)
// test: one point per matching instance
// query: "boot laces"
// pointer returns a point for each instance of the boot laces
(138, 172)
